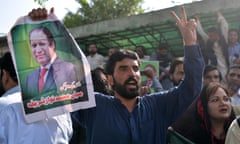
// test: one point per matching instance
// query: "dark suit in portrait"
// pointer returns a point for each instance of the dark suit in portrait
(58, 73)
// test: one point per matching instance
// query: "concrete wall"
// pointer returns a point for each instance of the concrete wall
(151, 18)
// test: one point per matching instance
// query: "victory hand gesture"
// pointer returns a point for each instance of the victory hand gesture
(186, 27)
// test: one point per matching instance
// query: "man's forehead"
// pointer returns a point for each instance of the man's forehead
(179, 67)
(235, 70)
(213, 72)
(92, 46)
(233, 32)
(211, 75)
(127, 62)
(39, 39)
(38, 36)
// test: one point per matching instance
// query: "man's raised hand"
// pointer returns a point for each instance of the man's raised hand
(186, 27)
(39, 14)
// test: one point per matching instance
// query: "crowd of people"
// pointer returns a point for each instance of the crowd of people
(196, 95)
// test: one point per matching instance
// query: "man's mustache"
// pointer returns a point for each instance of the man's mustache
(130, 79)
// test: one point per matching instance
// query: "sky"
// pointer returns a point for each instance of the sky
(11, 10)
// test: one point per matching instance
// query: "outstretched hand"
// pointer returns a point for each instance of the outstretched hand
(39, 14)
(186, 27)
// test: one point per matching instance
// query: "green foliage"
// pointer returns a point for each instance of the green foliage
(40, 2)
(91, 11)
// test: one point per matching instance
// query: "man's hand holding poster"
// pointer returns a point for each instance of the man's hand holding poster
(53, 72)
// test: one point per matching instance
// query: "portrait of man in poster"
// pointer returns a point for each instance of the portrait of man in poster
(52, 72)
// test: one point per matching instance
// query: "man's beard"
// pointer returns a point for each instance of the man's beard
(92, 52)
(125, 92)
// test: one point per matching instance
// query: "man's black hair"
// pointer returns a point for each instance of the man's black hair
(163, 46)
(46, 31)
(236, 66)
(118, 56)
(174, 64)
(209, 68)
(213, 29)
(6, 63)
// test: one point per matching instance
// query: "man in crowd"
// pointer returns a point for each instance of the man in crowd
(215, 51)
(164, 57)
(13, 127)
(94, 58)
(175, 75)
(211, 74)
(141, 51)
(9, 82)
(233, 83)
(233, 46)
(128, 118)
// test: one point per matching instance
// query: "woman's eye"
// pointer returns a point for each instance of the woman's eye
(214, 100)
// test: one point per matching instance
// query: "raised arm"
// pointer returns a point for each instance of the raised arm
(187, 28)
(178, 99)
(40, 13)
(223, 25)
(200, 30)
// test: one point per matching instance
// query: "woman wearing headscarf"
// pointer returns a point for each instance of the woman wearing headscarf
(209, 121)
